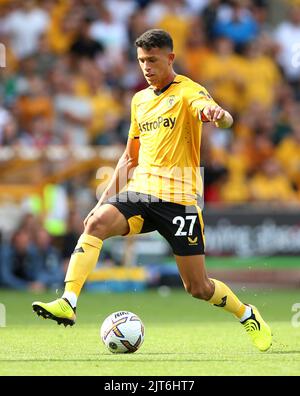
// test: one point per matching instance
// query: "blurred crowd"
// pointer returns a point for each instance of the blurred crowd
(71, 72)
(33, 259)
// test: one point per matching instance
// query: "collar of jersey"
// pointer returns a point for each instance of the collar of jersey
(164, 89)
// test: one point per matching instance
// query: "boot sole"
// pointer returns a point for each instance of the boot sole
(40, 311)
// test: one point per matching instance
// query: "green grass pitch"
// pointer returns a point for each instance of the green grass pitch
(183, 337)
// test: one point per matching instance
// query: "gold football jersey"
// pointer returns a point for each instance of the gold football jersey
(169, 126)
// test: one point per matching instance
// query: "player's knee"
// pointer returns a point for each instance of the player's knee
(202, 292)
(97, 225)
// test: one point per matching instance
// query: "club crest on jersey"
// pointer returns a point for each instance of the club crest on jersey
(171, 101)
(141, 108)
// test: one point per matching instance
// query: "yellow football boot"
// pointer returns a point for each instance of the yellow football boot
(258, 330)
(59, 310)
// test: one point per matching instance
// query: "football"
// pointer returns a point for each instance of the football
(122, 332)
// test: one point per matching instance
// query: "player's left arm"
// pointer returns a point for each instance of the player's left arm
(215, 113)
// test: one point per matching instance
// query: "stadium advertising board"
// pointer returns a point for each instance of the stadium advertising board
(246, 232)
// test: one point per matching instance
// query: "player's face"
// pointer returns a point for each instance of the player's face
(156, 65)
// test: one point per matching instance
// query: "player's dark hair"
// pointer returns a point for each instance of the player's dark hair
(154, 38)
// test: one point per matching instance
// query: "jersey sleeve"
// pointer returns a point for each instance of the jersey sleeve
(134, 132)
(198, 99)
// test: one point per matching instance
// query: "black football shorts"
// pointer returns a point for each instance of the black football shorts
(182, 226)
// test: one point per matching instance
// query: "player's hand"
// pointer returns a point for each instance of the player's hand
(213, 113)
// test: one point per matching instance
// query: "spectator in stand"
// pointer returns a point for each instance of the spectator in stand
(30, 223)
(65, 21)
(262, 146)
(137, 24)
(72, 114)
(83, 45)
(5, 121)
(9, 135)
(50, 273)
(121, 10)
(39, 133)
(287, 36)
(260, 12)
(20, 264)
(112, 34)
(261, 75)
(105, 105)
(223, 73)
(197, 51)
(288, 154)
(177, 21)
(270, 185)
(44, 58)
(234, 188)
(240, 25)
(286, 110)
(34, 102)
(24, 25)
(209, 17)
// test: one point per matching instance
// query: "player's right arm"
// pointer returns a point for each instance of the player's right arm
(123, 171)
(127, 162)
(203, 104)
